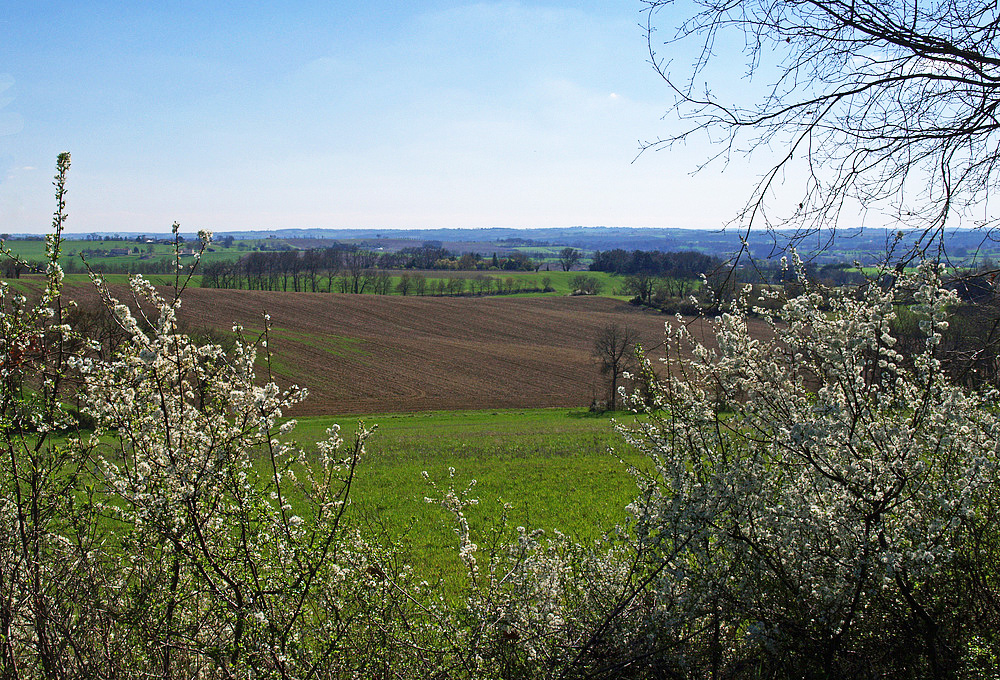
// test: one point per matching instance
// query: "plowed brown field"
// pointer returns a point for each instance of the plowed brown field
(370, 354)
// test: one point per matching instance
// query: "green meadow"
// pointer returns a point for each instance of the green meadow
(34, 249)
(563, 470)
(557, 469)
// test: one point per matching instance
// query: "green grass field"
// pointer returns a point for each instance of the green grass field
(557, 469)
(159, 255)
(553, 467)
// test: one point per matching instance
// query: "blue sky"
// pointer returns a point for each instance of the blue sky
(331, 114)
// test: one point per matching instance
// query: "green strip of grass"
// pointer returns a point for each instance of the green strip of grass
(552, 466)
(336, 345)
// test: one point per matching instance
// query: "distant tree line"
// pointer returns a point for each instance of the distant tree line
(432, 256)
(692, 264)
(278, 267)
(686, 264)
(667, 280)
(348, 269)
(659, 279)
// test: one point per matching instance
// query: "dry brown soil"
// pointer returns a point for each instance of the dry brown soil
(371, 354)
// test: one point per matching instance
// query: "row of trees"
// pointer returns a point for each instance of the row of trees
(416, 283)
(430, 256)
(254, 274)
(655, 278)
(341, 269)
(666, 279)
(301, 270)
(686, 264)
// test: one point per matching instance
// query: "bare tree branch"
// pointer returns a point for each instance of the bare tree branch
(873, 106)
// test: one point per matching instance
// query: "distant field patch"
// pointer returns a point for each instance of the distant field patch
(383, 353)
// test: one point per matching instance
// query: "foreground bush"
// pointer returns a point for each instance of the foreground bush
(182, 537)
(815, 504)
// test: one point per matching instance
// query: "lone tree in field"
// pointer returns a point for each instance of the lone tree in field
(568, 257)
(884, 104)
(614, 348)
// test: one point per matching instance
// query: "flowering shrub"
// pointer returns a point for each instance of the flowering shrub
(820, 504)
(185, 535)
(814, 504)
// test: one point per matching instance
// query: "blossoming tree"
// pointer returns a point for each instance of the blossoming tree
(184, 534)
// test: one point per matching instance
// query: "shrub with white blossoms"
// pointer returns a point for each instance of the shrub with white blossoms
(819, 504)
(39, 509)
(543, 606)
(185, 535)
(236, 534)
(814, 504)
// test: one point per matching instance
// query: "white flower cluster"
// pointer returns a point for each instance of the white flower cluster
(455, 502)
(815, 479)
(238, 535)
